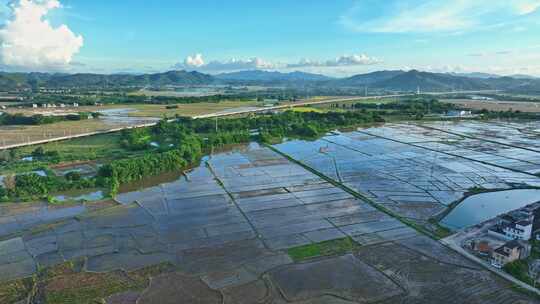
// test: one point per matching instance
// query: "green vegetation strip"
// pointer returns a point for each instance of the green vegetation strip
(333, 247)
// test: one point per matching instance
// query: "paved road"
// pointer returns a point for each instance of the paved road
(244, 111)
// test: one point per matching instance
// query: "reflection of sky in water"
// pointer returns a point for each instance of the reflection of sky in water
(481, 207)
(92, 196)
(370, 164)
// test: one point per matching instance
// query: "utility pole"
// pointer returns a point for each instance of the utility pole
(216, 125)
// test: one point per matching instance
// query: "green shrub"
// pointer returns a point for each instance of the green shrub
(73, 176)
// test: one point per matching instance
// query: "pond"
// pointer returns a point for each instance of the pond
(80, 195)
(482, 207)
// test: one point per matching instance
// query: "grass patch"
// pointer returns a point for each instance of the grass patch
(192, 109)
(333, 247)
(307, 109)
(104, 146)
(442, 232)
(90, 147)
(85, 288)
(438, 231)
(67, 283)
(13, 292)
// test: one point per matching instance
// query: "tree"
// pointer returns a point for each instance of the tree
(73, 176)
(38, 152)
(12, 154)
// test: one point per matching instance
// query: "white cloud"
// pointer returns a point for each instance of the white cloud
(527, 7)
(423, 16)
(361, 59)
(198, 63)
(29, 41)
(342, 63)
(345, 60)
(194, 61)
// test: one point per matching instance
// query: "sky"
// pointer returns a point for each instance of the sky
(336, 38)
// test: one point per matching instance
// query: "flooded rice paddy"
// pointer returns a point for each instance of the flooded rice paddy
(414, 171)
(77, 196)
(256, 192)
(228, 222)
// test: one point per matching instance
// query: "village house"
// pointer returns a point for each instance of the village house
(510, 252)
(515, 226)
(521, 230)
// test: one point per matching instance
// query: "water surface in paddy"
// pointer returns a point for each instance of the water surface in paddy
(484, 206)
(80, 195)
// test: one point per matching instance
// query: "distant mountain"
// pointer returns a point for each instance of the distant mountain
(384, 80)
(476, 75)
(267, 76)
(521, 76)
(12, 81)
(515, 84)
(426, 81)
(366, 79)
(158, 79)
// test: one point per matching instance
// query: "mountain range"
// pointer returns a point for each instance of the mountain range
(11, 81)
(395, 80)
(266, 76)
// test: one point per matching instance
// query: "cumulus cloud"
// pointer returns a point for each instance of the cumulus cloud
(194, 61)
(345, 60)
(428, 16)
(527, 6)
(197, 62)
(29, 41)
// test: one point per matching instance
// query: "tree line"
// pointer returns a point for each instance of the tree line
(38, 119)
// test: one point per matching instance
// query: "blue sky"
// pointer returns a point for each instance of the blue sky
(338, 37)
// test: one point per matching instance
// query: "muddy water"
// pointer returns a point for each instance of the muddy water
(152, 181)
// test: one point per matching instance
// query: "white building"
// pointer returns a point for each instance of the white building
(521, 230)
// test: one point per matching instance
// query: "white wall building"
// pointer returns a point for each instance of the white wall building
(521, 230)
